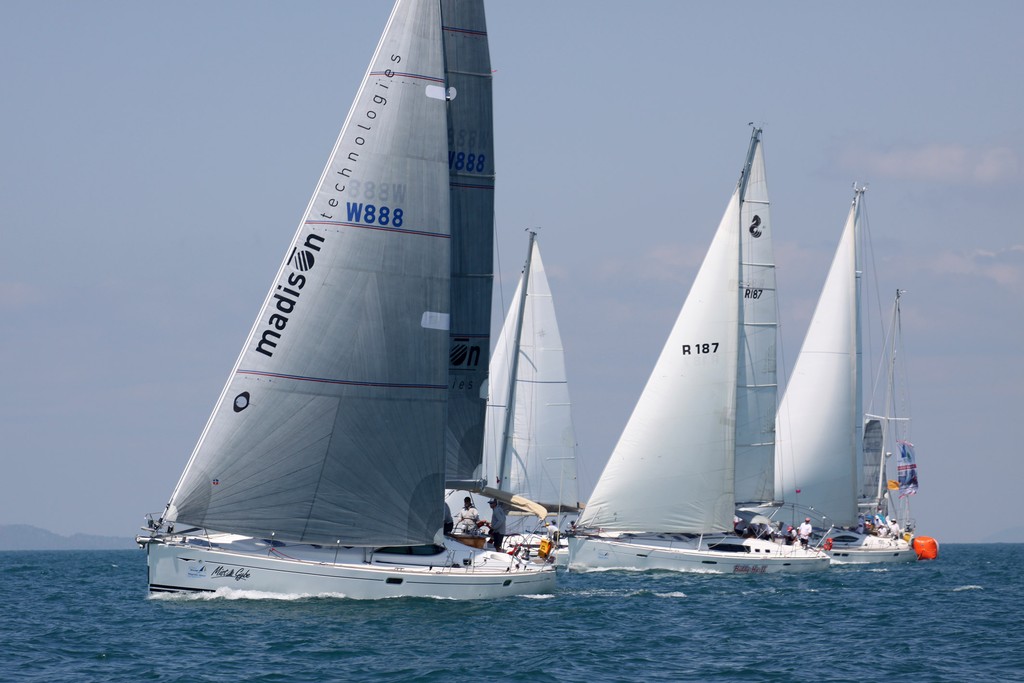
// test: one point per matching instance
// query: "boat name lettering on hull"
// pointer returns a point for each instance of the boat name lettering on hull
(700, 349)
(747, 569)
(286, 296)
(238, 574)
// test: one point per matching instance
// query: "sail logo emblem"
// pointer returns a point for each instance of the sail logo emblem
(463, 354)
(302, 260)
(755, 226)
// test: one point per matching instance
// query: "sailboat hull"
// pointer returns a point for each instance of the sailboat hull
(218, 563)
(710, 555)
(850, 548)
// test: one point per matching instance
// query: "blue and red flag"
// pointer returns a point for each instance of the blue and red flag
(906, 470)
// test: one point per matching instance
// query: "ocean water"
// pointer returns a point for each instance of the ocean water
(86, 616)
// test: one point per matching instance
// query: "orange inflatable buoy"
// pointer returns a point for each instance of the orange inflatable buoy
(926, 547)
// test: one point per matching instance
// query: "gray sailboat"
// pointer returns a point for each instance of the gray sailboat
(360, 389)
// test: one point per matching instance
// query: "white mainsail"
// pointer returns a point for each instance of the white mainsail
(757, 384)
(674, 467)
(530, 449)
(337, 403)
(820, 418)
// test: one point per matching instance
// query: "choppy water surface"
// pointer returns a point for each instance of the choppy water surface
(86, 616)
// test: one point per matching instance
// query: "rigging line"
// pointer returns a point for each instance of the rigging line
(904, 370)
(492, 417)
(871, 260)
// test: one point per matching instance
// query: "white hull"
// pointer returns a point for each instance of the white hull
(850, 548)
(206, 564)
(686, 554)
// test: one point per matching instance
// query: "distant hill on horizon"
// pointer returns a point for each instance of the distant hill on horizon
(28, 537)
(1011, 535)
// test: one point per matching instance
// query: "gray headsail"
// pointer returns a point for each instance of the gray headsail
(331, 427)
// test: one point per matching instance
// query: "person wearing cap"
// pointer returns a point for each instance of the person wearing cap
(804, 532)
(468, 516)
(497, 524)
(790, 535)
(894, 528)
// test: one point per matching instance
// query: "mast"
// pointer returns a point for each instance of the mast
(890, 408)
(504, 466)
(857, 361)
(755, 139)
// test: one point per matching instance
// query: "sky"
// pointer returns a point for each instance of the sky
(155, 159)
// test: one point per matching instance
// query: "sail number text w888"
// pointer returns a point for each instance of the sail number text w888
(374, 215)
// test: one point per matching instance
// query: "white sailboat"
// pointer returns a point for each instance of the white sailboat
(829, 460)
(360, 389)
(667, 497)
(530, 443)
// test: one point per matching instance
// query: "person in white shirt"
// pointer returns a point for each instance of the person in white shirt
(804, 532)
(894, 527)
(467, 516)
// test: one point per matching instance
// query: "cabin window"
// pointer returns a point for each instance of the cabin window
(430, 549)
(729, 548)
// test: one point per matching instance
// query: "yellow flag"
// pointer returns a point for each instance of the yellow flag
(893, 485)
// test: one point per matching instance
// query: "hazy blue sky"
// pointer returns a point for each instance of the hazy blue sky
(155, 159)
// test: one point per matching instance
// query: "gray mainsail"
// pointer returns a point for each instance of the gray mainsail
(331, 427)
(471, 168)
